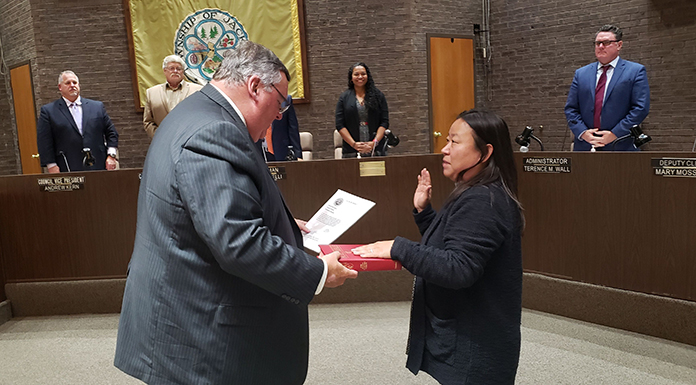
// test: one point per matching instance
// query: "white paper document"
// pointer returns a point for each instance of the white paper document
(337, 215)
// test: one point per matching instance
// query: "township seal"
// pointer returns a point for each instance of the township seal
(203, 38)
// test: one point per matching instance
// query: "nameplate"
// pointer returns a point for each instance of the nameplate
(674, 167)
(277, 172)
(546, 165)
(61, 183)
(373, 168)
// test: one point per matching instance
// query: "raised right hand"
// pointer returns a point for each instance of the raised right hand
(423, 193)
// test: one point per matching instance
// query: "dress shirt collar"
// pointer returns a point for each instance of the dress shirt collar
(231, 103)
(612, 64)
(180, 86)
(78, 101)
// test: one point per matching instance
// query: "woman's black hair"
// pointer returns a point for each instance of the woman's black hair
(370, 89)
(489, 128)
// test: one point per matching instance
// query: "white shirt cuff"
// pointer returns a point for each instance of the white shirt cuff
(322, 281)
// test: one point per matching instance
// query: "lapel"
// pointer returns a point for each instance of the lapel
(185, 89)
(209, 91)
(618, 72)
(591, 81)
(63, 108)
(86, 114)
(163, 98)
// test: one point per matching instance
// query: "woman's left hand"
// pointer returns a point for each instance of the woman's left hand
(381, 249)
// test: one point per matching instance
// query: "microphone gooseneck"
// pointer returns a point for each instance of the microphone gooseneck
(61, 153)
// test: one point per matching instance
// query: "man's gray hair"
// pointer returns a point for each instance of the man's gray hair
(250, 59)
(173, 58)
(67, 72)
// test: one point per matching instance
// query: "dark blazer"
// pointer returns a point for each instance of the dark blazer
(59, 139)
(347, 116)
(467, 300)
(218, 283)
(286, 132)
(627, 103)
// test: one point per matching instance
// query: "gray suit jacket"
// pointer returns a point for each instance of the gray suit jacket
(218, 283)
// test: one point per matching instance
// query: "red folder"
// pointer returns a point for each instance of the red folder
(355, 262)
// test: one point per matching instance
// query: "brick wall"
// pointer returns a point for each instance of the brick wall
(16, 32)
(390, 38)
(538, 46)
(91, 40)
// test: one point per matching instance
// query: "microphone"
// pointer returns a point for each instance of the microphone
(88, 160)
(65, 159)
(392, 140)
(523, 139)
(291, 154)
(639, 138)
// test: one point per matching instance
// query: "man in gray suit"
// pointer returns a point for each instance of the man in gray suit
(218, 283)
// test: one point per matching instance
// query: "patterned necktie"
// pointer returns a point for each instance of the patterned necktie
(599, 96)
(77, 116)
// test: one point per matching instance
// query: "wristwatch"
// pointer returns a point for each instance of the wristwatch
(113, 156)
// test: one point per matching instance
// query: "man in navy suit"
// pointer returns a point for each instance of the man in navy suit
(75, 133)
(218, 283)
(604, 121)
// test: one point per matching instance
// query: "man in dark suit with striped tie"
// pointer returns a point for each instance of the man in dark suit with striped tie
(608, 97)
(72, 124)
(218, 283)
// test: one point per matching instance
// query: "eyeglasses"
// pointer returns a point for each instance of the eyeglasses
(605, 43)
(287, 101)
(173, 69)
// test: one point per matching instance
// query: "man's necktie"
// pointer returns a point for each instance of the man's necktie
(75, 112)
(599, 96)
(269, 138)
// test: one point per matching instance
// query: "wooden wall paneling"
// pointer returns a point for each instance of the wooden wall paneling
(611, 222)
(309, 184)
(3, 296)
(68, 235)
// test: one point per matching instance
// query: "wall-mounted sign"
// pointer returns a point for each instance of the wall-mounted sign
(546, 165)
(61, 183)
(278, 173)
(674, 167)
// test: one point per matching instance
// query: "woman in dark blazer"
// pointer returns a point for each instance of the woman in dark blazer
(467, 300)
(362, 115)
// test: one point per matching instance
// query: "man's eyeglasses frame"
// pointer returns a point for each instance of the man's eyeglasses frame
(286, 102)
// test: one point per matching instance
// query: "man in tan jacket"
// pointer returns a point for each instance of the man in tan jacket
(162, 98)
